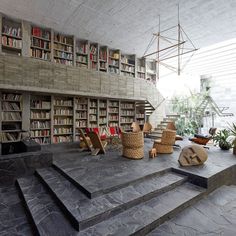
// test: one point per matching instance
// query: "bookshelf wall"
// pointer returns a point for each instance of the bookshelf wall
(40, 119)
(56, 119)
(141, 68)
(11, 36)
(93, 56)
(93, 113)
(128, 65)
(113, 113)
(82, 53)
(102, 113)
(114, 61)
(40, 43)
(103, 50)
(46, 44)
(127, 115)
(62, 119)
(63, 49)
(81, 115)
(11, 117)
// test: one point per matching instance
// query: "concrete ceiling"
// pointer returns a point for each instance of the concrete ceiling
(129, 24)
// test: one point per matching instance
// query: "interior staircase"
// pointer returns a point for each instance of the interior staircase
(157, 132)
(59, 205)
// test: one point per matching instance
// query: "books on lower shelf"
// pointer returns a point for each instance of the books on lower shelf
(93, 113)
(11, 116)
(62, 139)
(40, 125)
(10, 137)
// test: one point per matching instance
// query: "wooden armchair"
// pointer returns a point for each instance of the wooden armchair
(86, 140)
(98, 146)
(147, 128)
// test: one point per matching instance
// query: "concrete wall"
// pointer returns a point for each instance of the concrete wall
(28, 74)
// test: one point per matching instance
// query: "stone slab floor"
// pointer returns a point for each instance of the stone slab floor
(211, 216)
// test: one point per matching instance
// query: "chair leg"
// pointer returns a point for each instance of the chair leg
(95, 151)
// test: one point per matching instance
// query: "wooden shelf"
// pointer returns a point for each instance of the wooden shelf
(12, 36)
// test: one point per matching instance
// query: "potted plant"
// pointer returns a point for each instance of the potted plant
(232, 137)
(221, 138)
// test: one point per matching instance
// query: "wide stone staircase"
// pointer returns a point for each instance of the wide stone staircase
(59, 204)
(157, 132)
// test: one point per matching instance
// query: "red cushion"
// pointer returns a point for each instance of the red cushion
(113, 131)
(96, 130)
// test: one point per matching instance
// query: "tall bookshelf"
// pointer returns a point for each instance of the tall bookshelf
(102, 113)
(63, 49)
(140, 116)
(127, 65)
(141, 68)
(113, 113)
(114, 61)
(62, 119)
(40, 43)
(93, 56)
(127, 114)
(11, 117)
(82, 53)
(151, 72)
(103, 58)
(40, 119)
(11, 36)
(93, 113)
(81, 115)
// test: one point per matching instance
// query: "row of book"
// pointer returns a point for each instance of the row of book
(63, 130)
(39, 104)
(63, 121)
(81, 123)
(93, 58)
(126, 120)
(127, 68)
(114, 104)
(81, 115)
(40, 43)
(113, 62)
(63, 39)
(38, 53)
(8, 106)
(38, 32)
(63, 111)
(103, 55)
(113, 124)
(113, 110)
(40, 125)
(10, 136)
(126, 127)
(65, 48)
(42, 140)
(102, 104)
(126, 60)
(82, 49)
(63, 61)
(141, 75)
(92, 110)
(140, 69)
(139, 116)
(93, 103)
(127, 113)
(114, 70)
(10, 42)
(126, 73)
(81, 107)
(40, 115)
(11, 31)
(63, 55)
(62, 139)
(127, 105)
(36, 133)
(93, 49)
(103, 65)
(11, 96)
(92, 117)
(81, 58)
(62, 102)
(113, 117)
(12, 116)
(103, 113)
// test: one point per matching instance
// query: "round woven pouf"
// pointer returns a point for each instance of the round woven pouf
(165, 149)
(133, 145)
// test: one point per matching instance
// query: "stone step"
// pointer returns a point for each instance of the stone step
(92, 191)
(86, 212)
(142, 218)
(47, 217)
(154, 136)
(169, 119)
(172, 116)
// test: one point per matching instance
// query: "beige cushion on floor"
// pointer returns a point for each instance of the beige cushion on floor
(192, 155)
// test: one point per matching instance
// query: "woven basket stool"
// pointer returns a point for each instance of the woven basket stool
(165, 144)
(133, 145)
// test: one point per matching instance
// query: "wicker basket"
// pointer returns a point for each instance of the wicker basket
(168, 137)
(133, 145)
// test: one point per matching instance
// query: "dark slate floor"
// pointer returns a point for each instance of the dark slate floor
(98, 173)
(211, 216)
(13, 220)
